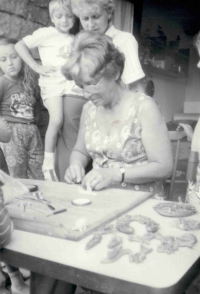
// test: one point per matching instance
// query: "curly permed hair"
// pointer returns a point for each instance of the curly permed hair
(95, 53)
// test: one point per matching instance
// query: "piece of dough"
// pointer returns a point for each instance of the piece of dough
(86, 192)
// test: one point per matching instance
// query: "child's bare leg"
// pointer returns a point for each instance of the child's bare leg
(55, 109)
(18, 285)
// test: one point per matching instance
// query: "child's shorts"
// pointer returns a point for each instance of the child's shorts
(55, 86)
(51, 86)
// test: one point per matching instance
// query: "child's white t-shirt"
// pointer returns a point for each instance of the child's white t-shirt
(51, 45)
(54, 48)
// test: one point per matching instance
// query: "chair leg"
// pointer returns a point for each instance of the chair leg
(174, 171)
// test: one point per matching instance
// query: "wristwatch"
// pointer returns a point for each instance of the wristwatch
(123, 176)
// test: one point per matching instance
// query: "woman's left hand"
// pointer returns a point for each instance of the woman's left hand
(98, 179)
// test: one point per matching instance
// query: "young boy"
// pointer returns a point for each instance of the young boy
(6, 226)
(5, 234)
(53, 43)
(5, 222)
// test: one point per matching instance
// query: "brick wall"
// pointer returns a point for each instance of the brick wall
(19, 18)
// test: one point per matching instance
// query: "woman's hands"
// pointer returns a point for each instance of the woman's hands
(101, 178)
(188, 130)
(96, 179)
(74, 173)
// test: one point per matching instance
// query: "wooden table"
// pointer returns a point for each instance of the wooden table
(78, 221)
(69, 261)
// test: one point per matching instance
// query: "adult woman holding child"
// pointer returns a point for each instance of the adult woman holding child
(96, 15)
(122, 131)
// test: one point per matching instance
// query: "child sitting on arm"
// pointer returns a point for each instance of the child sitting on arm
(53, 43)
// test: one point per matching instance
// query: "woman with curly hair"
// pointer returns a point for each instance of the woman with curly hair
(122, 131)
(97, 16)
(18, 92)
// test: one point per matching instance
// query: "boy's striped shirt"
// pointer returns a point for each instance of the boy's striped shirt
(5, 225)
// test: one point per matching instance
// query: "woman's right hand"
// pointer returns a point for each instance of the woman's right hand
(75, 173)
(44, 70)
(188, 130)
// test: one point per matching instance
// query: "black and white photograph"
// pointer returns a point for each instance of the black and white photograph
(99, 147)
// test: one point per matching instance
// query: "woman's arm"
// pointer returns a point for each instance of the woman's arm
(196, 138)
(188, 130)
(157, 145)
(158, 148)
(79, 157)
